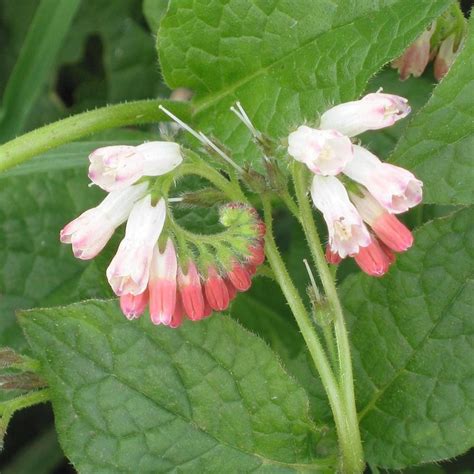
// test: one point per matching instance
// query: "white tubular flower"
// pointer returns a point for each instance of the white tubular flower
(395, 188)
(129, 270)
(324, 152)
(116, 167)
(347, 232)
(90, 232)
(372, 112)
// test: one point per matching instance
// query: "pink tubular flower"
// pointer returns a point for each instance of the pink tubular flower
(129, 270)
(445, 57)
(178, 313)
(116, 167)
(372, 112)
(191, 292)
(372, 259)
(324, 152)
(162, 284)
(385, 225)
(133, 306)
(239, 277)
(415, 59)
(395, 188)
(347, 232)
(90, 232)
(216, 291)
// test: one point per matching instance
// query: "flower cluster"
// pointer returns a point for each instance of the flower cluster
(357, 193)
(148, 270)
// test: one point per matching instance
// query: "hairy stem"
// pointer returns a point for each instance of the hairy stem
(342, 339)
(351, 451)
(72, 128)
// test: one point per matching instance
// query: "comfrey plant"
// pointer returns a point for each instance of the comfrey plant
(268, 271)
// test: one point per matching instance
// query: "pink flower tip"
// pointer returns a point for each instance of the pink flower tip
(372, 259)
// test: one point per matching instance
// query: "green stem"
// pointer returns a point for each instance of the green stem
(72, 128)
(9, 407)
(342, 339)
(351, 457)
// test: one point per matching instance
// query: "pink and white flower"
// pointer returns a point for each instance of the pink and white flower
(445, 58)
(416, 57)
(347, 232)
(372, 112)
(129, 270)
(324, 152)
(386, 226)
(116, 167)
(395, 188)
(162, 285)
(90, 232)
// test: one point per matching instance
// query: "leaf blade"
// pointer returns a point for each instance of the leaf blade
(412, 335)
(198, 391)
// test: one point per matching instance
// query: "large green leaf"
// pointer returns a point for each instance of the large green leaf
(439, 143)
(413, 338)
(130, 396)
(285, 61)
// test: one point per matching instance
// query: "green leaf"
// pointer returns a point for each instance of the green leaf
(153, 11)
(413, 338)
(439, 143)
(264, 311)
(285, 61)
(42, 44)
(130, 396)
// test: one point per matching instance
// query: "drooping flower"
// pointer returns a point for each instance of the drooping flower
(416, 57)
(372, 112)
(191, 292)
(395, 235)
(395, 188)
(239, 277)
(90, 232)
(116, 167)
(216, 291)
(445, 58)
(347, 232)
(324, 152)
(162, 284)
(372, 259)
(134, 306)
(129, 270)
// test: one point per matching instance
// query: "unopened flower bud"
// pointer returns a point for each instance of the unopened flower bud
(372, 259)
(191, 292)
(216, 291)
(134, 306)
